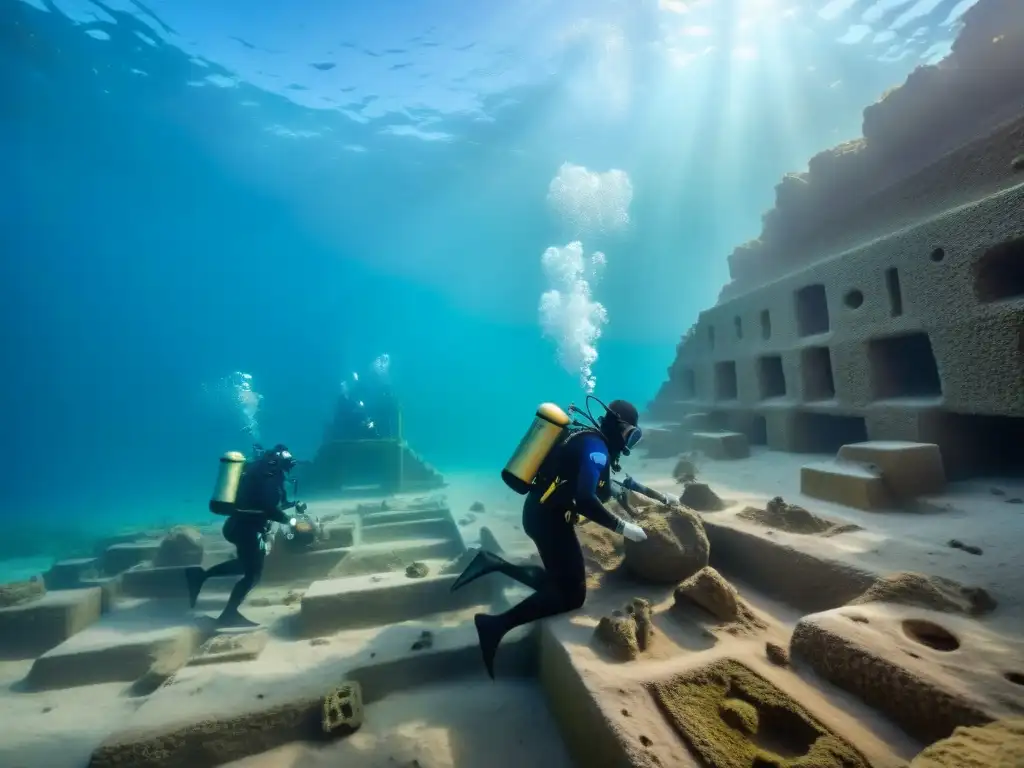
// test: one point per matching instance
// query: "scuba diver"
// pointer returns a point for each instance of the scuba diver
(260, 500)
(564, 469)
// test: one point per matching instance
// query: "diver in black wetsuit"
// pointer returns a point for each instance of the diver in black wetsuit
(575, 478)
(261, 499)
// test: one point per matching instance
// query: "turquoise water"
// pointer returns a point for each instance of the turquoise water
(194, 189)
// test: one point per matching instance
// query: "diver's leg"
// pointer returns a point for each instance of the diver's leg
(196, 577)
(564, 588)
(486, 562)
(250, 554)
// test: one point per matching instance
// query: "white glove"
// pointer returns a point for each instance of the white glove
(633, 532)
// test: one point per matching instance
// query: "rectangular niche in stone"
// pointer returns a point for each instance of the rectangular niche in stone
(726, 386)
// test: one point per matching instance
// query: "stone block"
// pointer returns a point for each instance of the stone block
(721, 445)
(110, 590)
(908, 469)
(844, 482)
(697, 422)
(120, 557)
(338, 535)
(347, 603)
(665, 442)
(143, 581)
(121, 647)
(929, 672)
(806, 581)
(285, 567)
(29, 630)
(229, 647)
(68, 574)
(434, 528)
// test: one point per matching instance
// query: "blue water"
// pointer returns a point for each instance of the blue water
(291, 189)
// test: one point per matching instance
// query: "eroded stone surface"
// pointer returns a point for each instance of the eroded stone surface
(676, 545)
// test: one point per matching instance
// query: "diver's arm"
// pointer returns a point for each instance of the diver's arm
(595, 458)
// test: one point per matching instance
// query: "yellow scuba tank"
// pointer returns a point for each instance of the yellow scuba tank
(547, 429)
(225, 491)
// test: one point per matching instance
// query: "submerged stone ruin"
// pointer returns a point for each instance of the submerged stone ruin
(833, 613)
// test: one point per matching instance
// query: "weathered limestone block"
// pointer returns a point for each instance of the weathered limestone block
(69, 574)
(33, 628)
(721, 445)
(120, 557)
(908, 469)
(844, 482)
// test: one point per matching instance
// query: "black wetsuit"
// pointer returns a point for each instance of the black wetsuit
(260, 489)
(580, 472)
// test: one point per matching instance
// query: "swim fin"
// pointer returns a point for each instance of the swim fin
(489, 637)
(484, 563)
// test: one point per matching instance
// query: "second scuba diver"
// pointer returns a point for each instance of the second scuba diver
(261, 499)
(574, 478)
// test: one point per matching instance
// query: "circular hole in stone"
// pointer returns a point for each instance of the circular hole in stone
(853, 299)
(938, 255)
(857, 618)
(930, 634)
(1015, 677)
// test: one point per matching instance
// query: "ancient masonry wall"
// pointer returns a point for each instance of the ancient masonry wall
(916, 336)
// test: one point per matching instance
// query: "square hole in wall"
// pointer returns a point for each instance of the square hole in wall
(725, 381)
(811, 310)
(766, 324)
(827, 433)
(903, 366)
(771, 379)
(999, 273)
(757, 430)
(816, 369)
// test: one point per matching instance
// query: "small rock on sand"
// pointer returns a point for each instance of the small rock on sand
(627, 632)
(968, 548)
(932, 592)
(794, 519)
(700, 497)
(424, 641)
(708, 589)
(477, 506)
(417, 570)
(776, 654)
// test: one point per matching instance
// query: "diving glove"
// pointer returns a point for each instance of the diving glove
(633, 532)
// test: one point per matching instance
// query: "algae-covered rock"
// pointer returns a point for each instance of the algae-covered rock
(617, 632)
(675, 549)
(417, 570)
(776, 654)
(477, 506)
(627, 632)
(700, 497)
(932, 592)
(21, 592)
(709, 589)
(182, 545)
(733, 718)
(996, 745)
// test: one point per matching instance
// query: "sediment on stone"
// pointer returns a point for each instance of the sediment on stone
(790, 575)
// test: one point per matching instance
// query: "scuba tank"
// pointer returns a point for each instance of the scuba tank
(548, 427)
(225, 490)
